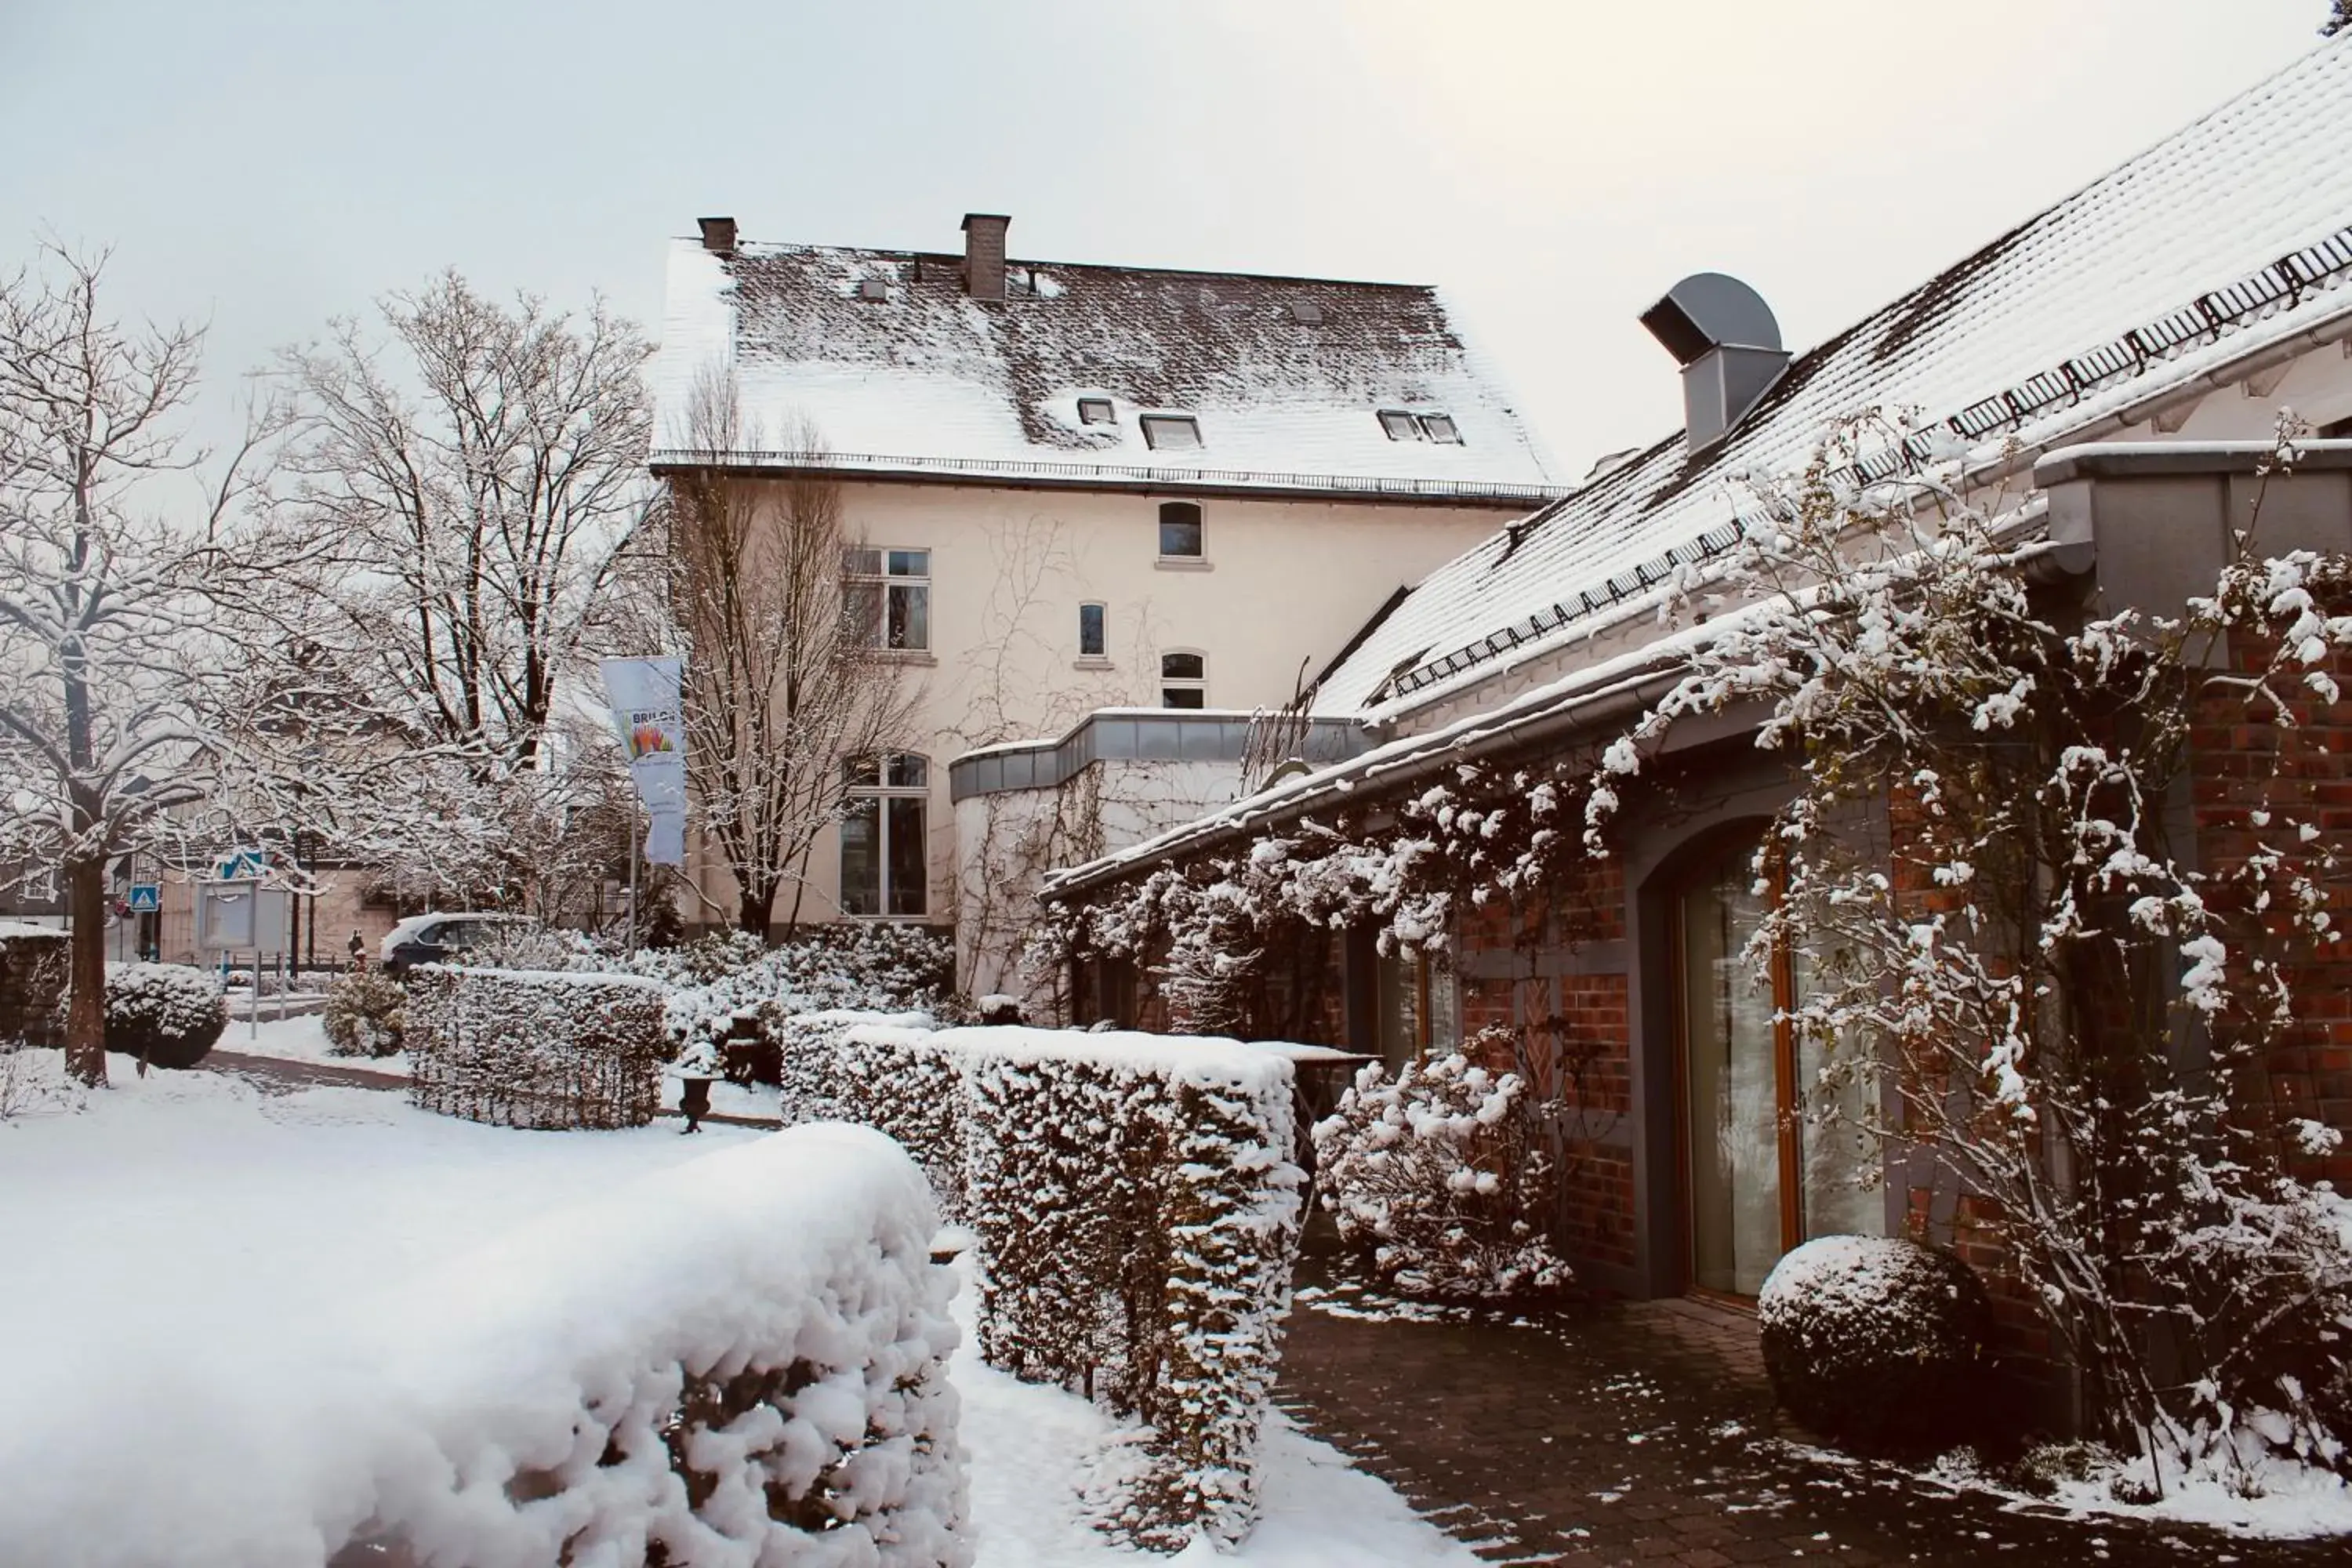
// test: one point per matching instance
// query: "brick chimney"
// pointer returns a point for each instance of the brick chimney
(983, 255)
(718, 234)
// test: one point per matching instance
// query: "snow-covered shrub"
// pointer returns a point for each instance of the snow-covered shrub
(885, 968)
(33, 976)
(1437, 1180)
(363, 1014)
(166, 1015)
(1876, 1342)
(815, 1062)
(535, 1049)
(739, 1360)
(1137, 1216)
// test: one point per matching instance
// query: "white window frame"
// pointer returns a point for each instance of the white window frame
(883, 792)
(1169, 683)
(1100, 655)
(889, 586)
(1200, 529)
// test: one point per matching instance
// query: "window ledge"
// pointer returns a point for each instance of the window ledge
(1182, 563)
(904, 656)
(1084, 661)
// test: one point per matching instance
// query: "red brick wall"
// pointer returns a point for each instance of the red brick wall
(2242, 756)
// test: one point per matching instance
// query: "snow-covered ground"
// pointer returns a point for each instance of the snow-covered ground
(195, 1213)
(299, 1040)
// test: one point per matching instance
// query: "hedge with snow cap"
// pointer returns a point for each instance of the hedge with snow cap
(1136, 1215)
(534, 1049)
(741, 1360)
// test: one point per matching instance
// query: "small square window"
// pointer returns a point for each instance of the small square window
(1307, 313)
(1440, 427)
(1180, 530)
(1094, 641)
(1097, 411)
(1399, 425)
(1170, 432)
(873, 290)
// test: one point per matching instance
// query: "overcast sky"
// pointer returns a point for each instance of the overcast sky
(1556, 164)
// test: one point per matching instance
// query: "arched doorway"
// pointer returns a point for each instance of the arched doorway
(1756, 1179)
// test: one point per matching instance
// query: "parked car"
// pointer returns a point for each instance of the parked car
(439, 937)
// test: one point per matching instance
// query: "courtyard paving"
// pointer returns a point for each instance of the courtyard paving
(1645, 1433)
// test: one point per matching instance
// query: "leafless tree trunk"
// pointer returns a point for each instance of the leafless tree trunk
(783, 680)
(102, 718)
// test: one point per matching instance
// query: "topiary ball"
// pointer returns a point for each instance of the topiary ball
(167, 1014)
(1877, 1343)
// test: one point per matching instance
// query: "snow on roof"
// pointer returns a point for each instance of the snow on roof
(1285, 376)
(2233, 231)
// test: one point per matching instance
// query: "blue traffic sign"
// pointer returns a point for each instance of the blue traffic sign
(146, 898)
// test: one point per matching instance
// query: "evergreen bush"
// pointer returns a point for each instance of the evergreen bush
(167, 1014)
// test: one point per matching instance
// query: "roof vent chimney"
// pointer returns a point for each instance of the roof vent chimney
(1723, 335)
(983, 255)
(718, 234)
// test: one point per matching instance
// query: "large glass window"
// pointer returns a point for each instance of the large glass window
(885, 855)
(1183, 680)
(1768, 1162)
(889, 596)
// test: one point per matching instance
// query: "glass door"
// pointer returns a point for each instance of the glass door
(1755, 1182)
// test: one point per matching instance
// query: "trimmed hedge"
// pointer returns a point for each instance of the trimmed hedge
(1136, 1215)
(33, 980)
(532, 1049)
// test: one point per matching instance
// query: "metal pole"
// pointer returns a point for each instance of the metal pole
(633, 883)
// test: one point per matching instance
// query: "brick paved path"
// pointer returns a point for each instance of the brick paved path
(1646, 1434)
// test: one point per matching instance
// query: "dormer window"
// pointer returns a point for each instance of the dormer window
(1400, 424)
(1172, 432)
(1097, 411)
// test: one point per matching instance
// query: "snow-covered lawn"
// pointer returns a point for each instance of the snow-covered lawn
(196, 1213)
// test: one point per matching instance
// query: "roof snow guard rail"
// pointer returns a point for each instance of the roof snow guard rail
(1097, 473)
(2277, 287)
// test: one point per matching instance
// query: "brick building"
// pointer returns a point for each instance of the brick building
(2108, 374)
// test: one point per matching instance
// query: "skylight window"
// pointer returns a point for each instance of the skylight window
(1400, 424)
(1172, 432)
(873, 289)
(1307, 313)
(1097, 411)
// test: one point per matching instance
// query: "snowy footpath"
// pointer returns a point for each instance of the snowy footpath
(200, 1215)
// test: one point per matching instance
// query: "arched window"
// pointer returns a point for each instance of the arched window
(1180, 530)
(884, 852)
(1183, 679)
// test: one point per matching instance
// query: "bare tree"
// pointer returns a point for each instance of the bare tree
(784, 677)
(102, 609)
(472, 478)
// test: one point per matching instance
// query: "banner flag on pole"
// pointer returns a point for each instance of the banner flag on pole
(651, 721)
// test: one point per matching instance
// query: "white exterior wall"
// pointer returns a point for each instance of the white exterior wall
(1005, 840)
(1281, 587)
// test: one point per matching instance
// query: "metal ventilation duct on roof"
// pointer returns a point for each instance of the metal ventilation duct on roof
(1723, 335)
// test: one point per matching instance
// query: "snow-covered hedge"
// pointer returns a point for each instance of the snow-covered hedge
(534, 1049)
(1437, 1180)
(739, 1360)
(1876, 1342)
(1136, 1215)
(167, 1014)
(33, 973)
(915, 1094)
(364, 1013)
